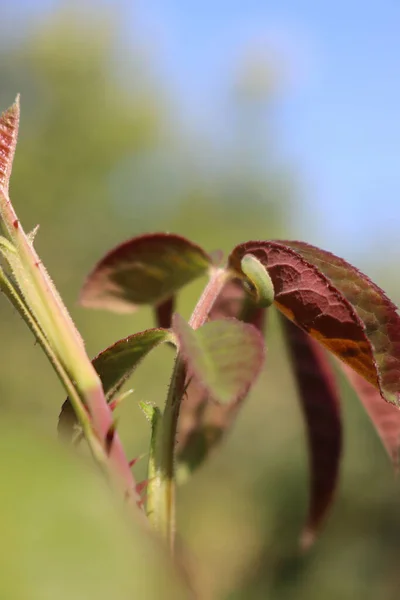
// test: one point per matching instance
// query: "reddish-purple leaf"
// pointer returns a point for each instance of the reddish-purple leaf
(235, 302)
(115, 365)
(203, 424)
(337, 305)
(230, 301)
(164, 311)
(385, 417)
(144, 270)
(224, 356)
(321, 407)
(377, 312)
(9, 121)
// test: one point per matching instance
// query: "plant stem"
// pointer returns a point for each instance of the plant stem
(163, 490)
(113, 463)
(38, 301)
(218, 278)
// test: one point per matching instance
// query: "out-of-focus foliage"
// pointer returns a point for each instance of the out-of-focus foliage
(64, 535)
(103, 156)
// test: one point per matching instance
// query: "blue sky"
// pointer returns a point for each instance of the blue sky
(339, 114)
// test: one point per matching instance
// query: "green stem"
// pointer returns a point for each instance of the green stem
(163, 490)
(42, 308)
(155, 510)
(93, 441)
(82, 414)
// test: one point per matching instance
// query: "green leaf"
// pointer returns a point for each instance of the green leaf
(144, 270)
(225, 356)
(203, 423)
(115, 365)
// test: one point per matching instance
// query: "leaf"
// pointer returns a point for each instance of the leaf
(321, 407)
(144, 270)
(225, 356)
(115, 365)
(337, 305)
(9, 122)
(203, 423)
(384, 417)
(258, 280)
(235, 302)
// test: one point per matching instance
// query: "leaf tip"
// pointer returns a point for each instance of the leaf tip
(9, 121)
(119, 399)
(133, 462)
(32, 234)
(150, 411)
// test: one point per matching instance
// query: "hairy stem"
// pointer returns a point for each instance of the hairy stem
(112, 462)
(40, 305)
(152, 467)
(163, 500)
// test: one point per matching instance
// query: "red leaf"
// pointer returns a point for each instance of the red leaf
(337, 305)
(164, 311)
(235, 302)
(144, 270)
(9, 121)
(385, 417)
(321, 406)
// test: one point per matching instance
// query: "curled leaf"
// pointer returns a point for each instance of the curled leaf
(147, 269)
(259, 280)
(115, 365)
(337, 305)
(224, 356)
(321, 407)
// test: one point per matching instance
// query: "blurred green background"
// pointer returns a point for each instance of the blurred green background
(104, 155)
